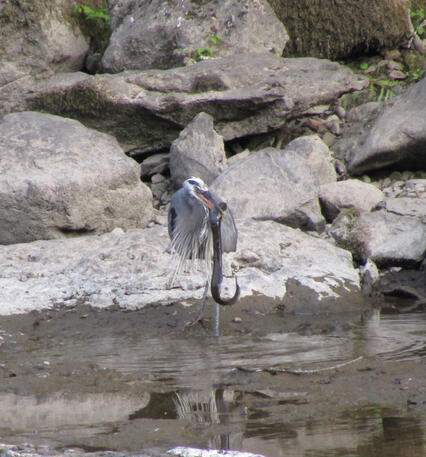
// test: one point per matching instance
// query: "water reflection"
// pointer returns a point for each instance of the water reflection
(182, 397)
(219, 418)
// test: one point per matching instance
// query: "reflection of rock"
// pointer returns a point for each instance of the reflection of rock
(60, 410)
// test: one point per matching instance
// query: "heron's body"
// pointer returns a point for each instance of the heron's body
(189, 224)
(189, 227)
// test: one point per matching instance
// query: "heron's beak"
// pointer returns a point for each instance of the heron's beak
(207, 198)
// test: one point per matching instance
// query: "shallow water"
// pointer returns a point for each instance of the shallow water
(195, 392)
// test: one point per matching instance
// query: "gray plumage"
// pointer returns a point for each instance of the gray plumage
(189, 227)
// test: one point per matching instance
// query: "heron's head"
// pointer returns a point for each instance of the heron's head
(198, 189)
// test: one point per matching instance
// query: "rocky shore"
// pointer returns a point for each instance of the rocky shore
(323, 214)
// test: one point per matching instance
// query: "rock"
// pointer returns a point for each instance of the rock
(332, 123)
(349, 194)
(132, 270)
(272, 184)
(36, 39)
(60, 179)
(156, 163)
(317, 154)
(245, 94)
(199, 151)
(408, 200)
(396, 137)
(164, 34)
(320, 29)
(370, 277)
(387, 239)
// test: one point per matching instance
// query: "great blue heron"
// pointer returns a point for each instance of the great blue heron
(190, 229)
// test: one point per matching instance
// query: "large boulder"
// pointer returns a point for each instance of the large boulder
(386, 238)
(60, 179)
(350, 194)
(276, 184)
(199, 151)
(163, 34)
(36, 38)
(245, 94)
(396, 137)
(132, 270)
(321, 28)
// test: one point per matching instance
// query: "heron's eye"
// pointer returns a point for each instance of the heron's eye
(193, 182)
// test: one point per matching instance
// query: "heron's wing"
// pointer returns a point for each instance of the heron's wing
(229, 232)
(187, 224)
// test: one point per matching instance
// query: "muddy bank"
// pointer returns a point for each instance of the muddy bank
(140, 381)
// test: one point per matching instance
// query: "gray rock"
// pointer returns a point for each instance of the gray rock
(36, 39)
(156, 163)
(396, 137)
(350, 194)
(409, 199)
(273, 184)
(387, 239)
(132, 270)
(245, 94)
(317, 154)
(199, 151)
(370, 277)
(163, 34)
(59, 179)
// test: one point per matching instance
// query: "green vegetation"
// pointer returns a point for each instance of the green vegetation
(206, 52)
(418, 21)
(87, 13)
(95, 24)
(382, 89)
(202, 53)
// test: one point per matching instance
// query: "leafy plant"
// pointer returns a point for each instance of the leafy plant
(216, 39)
(202, 53)
(418, 20)
(86, 12)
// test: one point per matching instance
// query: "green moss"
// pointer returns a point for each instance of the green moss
(336, 29)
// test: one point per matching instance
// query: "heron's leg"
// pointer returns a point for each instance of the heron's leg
(200, 316)
(216, 320)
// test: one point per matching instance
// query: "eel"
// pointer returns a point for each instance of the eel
(215, 215)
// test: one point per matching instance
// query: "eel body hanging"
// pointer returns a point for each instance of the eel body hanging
(215, 216)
